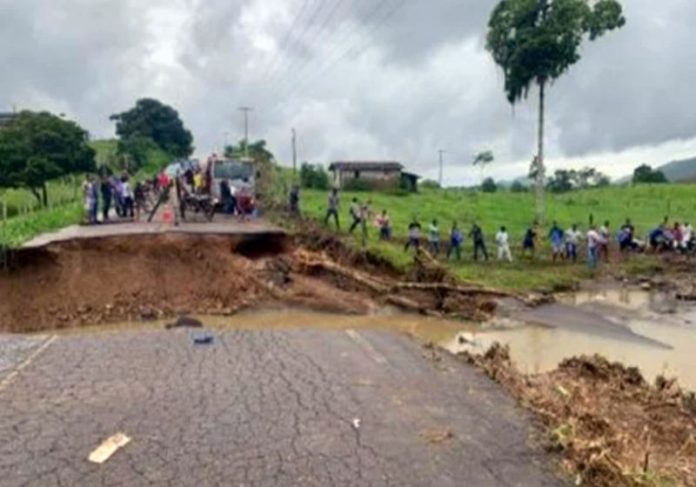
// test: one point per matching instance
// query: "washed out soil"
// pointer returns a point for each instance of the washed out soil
(94, 281)
(612, 428)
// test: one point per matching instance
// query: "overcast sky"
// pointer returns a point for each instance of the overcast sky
(358, 79)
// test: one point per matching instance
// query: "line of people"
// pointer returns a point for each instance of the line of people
(565, 244)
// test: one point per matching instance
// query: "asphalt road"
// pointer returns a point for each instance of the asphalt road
(221, 225)
(281, 407)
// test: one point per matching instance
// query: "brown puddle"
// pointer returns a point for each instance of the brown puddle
(628, 326)
(640, 336)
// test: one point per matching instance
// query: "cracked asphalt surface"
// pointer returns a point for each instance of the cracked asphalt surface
(274, 407)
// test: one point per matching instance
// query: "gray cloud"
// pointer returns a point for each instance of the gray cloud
(420, 82)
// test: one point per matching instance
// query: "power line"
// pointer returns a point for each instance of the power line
(329, 65)
(296, 41)
(271, 66)
(345, 40)
(312, 40)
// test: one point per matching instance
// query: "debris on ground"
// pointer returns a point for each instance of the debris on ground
(205, 338)
(108, 447)
(612, 428)
(435, 437)
(184, 322)
(356, 423)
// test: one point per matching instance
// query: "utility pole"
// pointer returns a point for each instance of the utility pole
(442, 153)
(294, 153)
(246, 111)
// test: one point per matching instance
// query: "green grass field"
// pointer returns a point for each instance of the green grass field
(645, 205)
(25, 217)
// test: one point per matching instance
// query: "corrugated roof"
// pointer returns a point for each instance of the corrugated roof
(366, 166)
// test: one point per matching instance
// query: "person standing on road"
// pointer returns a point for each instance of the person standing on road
(355, 214)
(127, 193)
(556, 238)
(106, 193)
(456, 240)
(90, 203)
(414, 229)
(228, 202)
(332, 210)
(434, 238)
(502, 239)
(476, 235)
(140, 200)
(572, 240)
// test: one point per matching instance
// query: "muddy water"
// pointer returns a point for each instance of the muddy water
(649, 330)
(638, 328)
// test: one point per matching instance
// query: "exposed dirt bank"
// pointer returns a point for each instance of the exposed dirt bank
(94, 281)
(612, 427)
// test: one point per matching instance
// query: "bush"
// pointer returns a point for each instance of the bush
(518, 187)
(314, 176)
(489, 186)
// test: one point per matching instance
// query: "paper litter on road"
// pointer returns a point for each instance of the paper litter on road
(104, 451)
(356, 423)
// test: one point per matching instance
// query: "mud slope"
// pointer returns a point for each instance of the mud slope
(145, 277)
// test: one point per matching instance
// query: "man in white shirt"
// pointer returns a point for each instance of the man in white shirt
(594, 242)
(572, 238)
(503, 241)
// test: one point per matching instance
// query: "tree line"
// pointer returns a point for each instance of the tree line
(37, 147)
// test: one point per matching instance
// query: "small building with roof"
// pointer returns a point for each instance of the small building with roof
(372, 175)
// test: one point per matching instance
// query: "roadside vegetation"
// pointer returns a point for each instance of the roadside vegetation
(44, 159)
(645, 205)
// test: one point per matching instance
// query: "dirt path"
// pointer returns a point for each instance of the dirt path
(261, 408)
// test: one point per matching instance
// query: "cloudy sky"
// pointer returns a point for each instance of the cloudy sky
(358, 79)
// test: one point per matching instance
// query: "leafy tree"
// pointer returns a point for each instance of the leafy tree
(257, 151)
(38, 147)
(536, 41)
(565, 180)
(489, 186)
(518, 187)
(153, 119)
(134, 151)
(561, 182)
(646, 174)
(483, 159)
(313, 176)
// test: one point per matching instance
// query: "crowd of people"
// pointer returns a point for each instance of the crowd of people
(565, 244)
(105, 193)
(108, 197)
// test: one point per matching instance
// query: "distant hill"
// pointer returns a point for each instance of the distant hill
(675, 171)
(680, 171)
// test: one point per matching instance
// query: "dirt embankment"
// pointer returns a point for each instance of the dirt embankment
(146, 277)
(612, 428)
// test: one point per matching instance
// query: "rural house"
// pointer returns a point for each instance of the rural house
(372, 174)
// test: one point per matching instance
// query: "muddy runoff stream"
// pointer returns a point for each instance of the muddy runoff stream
(639, 328)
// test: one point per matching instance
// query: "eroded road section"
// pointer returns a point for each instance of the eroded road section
(273, 407)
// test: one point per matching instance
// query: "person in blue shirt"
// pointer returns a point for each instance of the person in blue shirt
(456, 240)
(556, 236)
